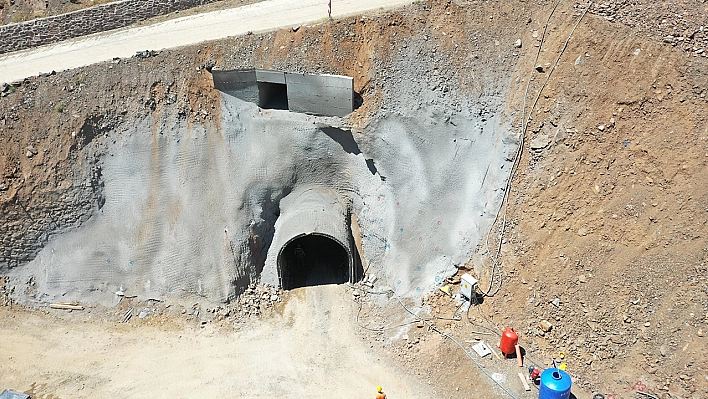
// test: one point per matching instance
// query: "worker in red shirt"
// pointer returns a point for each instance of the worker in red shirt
(380, 394)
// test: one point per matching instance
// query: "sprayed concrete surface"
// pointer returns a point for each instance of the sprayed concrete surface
(190, 210)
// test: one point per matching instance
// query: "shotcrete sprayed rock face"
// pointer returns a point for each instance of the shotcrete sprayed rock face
(196, 211)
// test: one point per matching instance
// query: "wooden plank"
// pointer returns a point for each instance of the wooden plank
(523, 381)
(66, 306)
(518, 356)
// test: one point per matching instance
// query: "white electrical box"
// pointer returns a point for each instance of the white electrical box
(468, 286)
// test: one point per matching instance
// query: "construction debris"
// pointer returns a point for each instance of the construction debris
(8, 394)
(481, 349)
(523, 381)
(66, 306)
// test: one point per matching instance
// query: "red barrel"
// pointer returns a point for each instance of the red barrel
(508, 342)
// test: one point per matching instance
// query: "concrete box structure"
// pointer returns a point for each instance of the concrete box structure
(241, 81)
(468, 285)
(320, 94)
(330, 95)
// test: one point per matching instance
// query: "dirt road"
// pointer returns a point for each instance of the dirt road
(310, 350)
(259, 17)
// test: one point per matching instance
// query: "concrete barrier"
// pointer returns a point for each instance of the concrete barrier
(320, 94)
(241, 83)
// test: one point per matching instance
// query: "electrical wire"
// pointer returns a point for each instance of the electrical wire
(386, 328)
(444, 334)
(453, 318)
(358, 313)
(495, 330)
(517, 160)
(432, 327)
(379, 329)
(519, 152)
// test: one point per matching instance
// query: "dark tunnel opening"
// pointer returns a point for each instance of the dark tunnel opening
(312, 260)
(272, 95)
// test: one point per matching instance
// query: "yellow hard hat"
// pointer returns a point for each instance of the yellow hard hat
(379, 389)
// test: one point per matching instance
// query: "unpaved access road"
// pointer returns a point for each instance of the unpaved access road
(258, 17)
(310, 348)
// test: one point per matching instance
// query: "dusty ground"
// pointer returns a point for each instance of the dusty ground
(304, 346)
(607, 212)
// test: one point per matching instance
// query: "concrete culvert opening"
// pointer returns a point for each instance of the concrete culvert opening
(272, 95)
(313, 259)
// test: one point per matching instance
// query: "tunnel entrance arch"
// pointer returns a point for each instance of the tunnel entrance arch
(313, 259)
(312, 243)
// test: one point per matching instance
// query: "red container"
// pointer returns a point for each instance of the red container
(508, 342)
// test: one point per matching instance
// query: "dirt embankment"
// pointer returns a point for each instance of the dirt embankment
(607, 213)
(607, 216)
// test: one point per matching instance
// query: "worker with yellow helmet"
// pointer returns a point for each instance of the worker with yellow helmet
(380, 393)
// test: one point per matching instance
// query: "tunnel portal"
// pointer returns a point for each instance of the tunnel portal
(316, 220)
(313, 259)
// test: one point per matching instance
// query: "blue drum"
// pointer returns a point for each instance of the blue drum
(555, 384)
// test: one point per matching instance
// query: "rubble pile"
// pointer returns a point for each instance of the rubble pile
(253, 302)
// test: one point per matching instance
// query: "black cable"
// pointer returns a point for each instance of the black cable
(519, 152)
(378, 329)
(495, 330)
(448, 336)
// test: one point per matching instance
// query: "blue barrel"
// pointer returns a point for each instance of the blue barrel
(555, 384)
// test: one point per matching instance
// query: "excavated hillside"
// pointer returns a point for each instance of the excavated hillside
(600, 249)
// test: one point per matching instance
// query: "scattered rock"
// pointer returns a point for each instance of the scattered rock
(545, 325)
(582, 278)
(209, 64)
(540, 142)
(517, 43)
(540, 68)
(582, 232)
(144, 54)
(31, 151)
(556, 302)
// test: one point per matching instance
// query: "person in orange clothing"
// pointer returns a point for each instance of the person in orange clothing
(380, 394)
